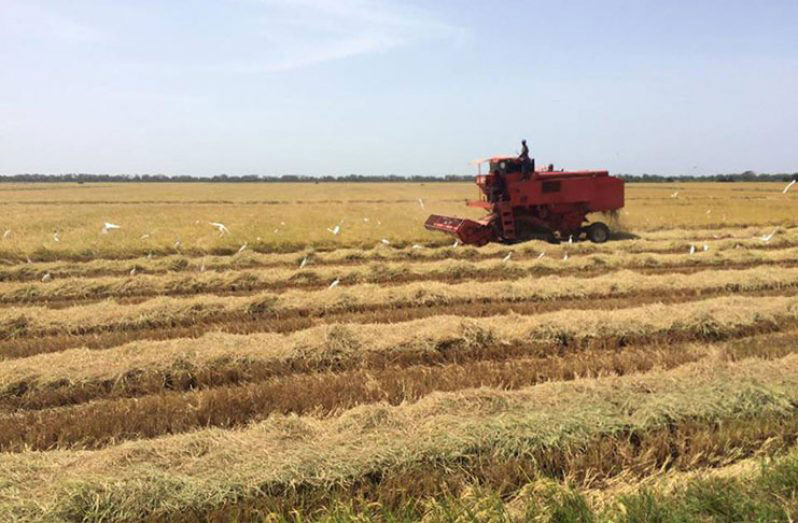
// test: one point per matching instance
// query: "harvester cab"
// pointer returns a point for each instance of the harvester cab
(523, 202)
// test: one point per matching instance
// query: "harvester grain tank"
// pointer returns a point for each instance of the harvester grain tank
(522, 204)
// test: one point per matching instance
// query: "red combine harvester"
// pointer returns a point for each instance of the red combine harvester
(521, 205)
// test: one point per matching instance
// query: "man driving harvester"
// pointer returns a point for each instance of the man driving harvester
(527, 164)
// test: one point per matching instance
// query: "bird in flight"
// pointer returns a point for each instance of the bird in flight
(766, 238)
(108, 227)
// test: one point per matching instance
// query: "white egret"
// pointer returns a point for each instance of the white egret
(455, 244)
(242, 248)
(303, 262)
(788, 187)
(5, 234)
(542, 254)
(507, 258)
(335, 230)
(766, 238)
(385, 242)
(421, 202)
(706, 247)
(675, 194)
(416, 246)
(692, 249)
(335, 283)
(109, 226)
(220, 227)
(133, 271)
(47, 277)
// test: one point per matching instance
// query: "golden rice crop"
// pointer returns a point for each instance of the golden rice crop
(429, 371)
(282, 217)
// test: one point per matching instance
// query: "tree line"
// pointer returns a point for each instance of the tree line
(747, 176)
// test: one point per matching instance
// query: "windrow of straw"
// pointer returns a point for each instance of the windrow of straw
(706, 413)
(110, 421)
(21, 347)
(148, 367)
(732, 240)
(754, 489)
(276, 280)
(169, 312)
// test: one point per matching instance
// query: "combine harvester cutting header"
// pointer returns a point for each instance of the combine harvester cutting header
(523, 202)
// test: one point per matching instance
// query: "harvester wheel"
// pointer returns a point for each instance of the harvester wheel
(598, 232)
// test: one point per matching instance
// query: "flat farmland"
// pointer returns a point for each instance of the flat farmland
(174, 218)
(326, 358)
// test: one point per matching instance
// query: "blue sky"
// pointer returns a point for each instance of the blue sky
(376, 87)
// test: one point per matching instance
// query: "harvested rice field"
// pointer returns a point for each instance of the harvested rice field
(323, 357)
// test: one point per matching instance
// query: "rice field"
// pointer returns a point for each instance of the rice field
(167, 371)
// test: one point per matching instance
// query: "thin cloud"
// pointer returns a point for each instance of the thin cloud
(30, 20)
(296, 34)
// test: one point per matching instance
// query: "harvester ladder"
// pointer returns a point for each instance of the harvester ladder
(508, 221)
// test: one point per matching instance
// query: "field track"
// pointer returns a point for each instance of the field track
(215, 386)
